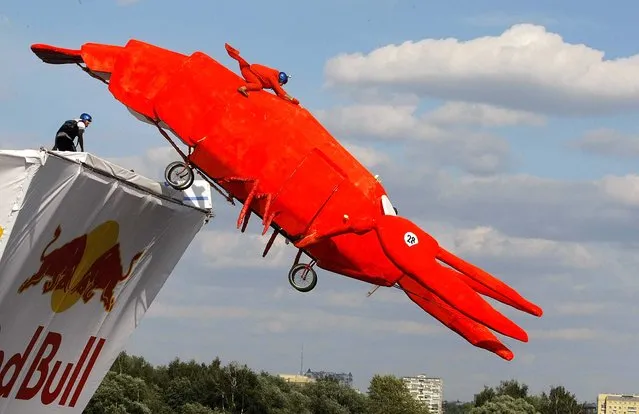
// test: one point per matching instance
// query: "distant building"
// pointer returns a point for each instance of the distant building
(617, 404)
(342, 378)
(589, 408)
(429, 391)
(296, 379)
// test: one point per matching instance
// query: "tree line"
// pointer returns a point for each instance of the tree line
(134, 386)
(512, 397)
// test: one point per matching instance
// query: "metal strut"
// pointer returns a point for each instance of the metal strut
(370, 292)
(93, 75)
(398, 287)
(298, 256)
(188, 162)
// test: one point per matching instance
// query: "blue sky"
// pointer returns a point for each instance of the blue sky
(545, 197)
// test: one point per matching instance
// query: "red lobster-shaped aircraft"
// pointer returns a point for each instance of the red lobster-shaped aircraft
(279, 161)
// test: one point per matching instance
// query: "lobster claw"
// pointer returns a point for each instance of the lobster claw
(415, 252)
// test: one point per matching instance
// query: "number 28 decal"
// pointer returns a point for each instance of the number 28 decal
(410, 239)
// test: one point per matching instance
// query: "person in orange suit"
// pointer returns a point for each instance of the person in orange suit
(260, 77)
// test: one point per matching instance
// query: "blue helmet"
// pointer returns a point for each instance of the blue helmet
(283, 78)
(86, 117)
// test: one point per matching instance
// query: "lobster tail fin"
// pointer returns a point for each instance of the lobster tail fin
(99, 59)
(56, 55)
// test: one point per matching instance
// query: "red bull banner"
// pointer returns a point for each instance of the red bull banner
(85, 247)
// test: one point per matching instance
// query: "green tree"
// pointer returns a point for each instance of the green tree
(197, 408)
(329, 396)
(276, 396)
(485, 395)
(559, 401)
(240, 388)
(505, 404)
(134, 386)
(456, 407)
(536, 401)
(178, 392)
(122, 393)
(134, 366)
(512, 388)
(387, 394)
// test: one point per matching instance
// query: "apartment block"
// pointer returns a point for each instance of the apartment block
(427, 390)
(617, 404)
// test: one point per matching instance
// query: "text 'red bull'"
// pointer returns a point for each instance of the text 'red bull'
(42, 376)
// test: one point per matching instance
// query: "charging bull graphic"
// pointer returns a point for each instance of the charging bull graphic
(77, 269)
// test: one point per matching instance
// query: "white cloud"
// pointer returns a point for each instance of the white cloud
(347, 299)
(234, 249)
(487, 242)
(623, 190)
(524, 205)
(150, 164)
(383, 121)
(474, 114)
(601, 335)
(526, 67)
(161, 310)
(567, 334)
(581, 308)
(476, 151)
(310, 320)
(605, 141)
(402, 121)
(501, 19)
(368, 156)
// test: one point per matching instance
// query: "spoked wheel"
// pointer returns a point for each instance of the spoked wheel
(302, 277)
(179, 175)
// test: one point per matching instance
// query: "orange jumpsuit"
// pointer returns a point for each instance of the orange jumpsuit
(258, 76)
(262, 77)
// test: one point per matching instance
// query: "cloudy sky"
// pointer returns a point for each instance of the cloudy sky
(507, 131)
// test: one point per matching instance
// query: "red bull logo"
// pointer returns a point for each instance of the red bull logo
(81, 267)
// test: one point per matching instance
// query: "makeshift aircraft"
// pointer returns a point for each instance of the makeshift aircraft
(283, 166)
